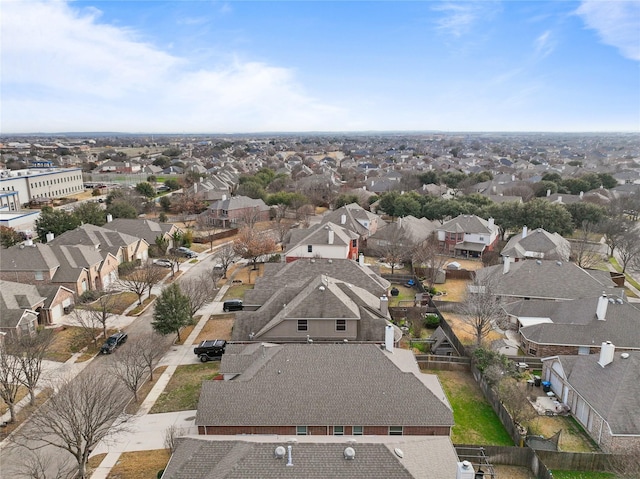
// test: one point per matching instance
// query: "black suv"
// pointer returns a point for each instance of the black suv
(113, 342)
(232, 305)
(210, 350)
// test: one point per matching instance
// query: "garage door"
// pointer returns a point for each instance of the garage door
(56, 312)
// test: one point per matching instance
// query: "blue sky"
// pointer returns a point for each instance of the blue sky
(239, 67)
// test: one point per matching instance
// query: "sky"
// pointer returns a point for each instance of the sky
(311, 66)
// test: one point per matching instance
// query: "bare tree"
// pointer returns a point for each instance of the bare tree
(130, 368)
(10, 379)
(36, 466)
(88, 322)
(101, 310)
(199, 290)
(250, 217)
(225, 257)
(428, 256)
(513, 395)
(171, 434)
(613, 228)
(147, 347)
(135, 282)
(31, 351)
(629, 247)
(395, 246)
(152, 275)
(481, 308)
(85, 410)
(583, 251)
(281, 229)
(207, 227)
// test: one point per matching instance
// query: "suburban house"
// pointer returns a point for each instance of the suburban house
(18, 308)
(229, 212)
(405, 233)
(322, 389)
(468, 236)
(576, 326)
(537, 244)
(327, 240)
(77, 267)
(121, 245)
(319, 299)
(371, 457)
(545, 279)
(356, 219)
(603, 393)
(210, 189)
(145, 229)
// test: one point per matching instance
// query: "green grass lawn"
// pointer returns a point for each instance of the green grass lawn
(582, 475)
(475, 421)
(628, 278)
(183, 391)
(237, 291)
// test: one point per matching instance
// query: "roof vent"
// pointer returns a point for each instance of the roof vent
(349, 453)
(559, 263)
(624, 355)
(280, 452)
(538, 261)
(399, 452)
(321, 288)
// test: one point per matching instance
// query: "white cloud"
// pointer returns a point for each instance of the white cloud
(616, 22)
(459, 18)
(544, 44)
(65, 70)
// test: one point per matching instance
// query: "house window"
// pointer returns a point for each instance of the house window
(354, 243)
(533, 351)
(583, 350)
(481, 238)
(302, 325)
(341, 324)
(39, 275)
(310, 248)
(395, 430)
(338, 430)
(301, 430)
(358, 430)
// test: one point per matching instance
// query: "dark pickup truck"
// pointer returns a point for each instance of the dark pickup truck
(210, 350)
(113, 342)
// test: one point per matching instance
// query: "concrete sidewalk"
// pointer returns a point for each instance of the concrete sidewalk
(148, 430)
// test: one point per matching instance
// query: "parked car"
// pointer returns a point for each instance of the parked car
(232, 305)
(165, 263)
(186, 252)
(113, 342)
(210, 349)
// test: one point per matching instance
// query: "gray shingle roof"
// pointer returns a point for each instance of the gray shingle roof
(546, 279)
(575, 322)
(140, 228)
(412, 230)
(355, 216)
(619, 379)
(321, 384)
(14, 299)
(468, 224)
(552, 245)
(38, 257)
(108, 241)
(318, 235)
(247, 457)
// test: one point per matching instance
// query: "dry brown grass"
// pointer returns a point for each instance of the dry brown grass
(94, 461)
(465, 332)
(217, 327)
(22, 392)
(246, 274)
(140, 464)
(572, 438)
(184, 333)
(452, 290)
(140, 308)
(24, 413)
(513, 472)
(72, 339)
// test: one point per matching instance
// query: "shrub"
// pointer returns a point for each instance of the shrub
(274, 258)
(90, 296)
(431, 321)
(126, 268)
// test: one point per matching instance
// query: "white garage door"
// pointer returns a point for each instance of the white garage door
(56, 312)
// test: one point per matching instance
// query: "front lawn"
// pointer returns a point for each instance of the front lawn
(475, 421)
(183, 391)
(582, 475)
(237, 291)
(140, 464)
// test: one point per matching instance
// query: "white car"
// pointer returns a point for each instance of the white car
(165, 263)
